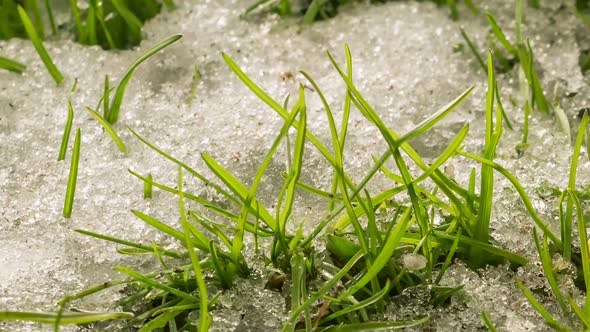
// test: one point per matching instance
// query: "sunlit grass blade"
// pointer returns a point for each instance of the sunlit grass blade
(168, 230)
(162, 320)
(107, 127)
(66, 317)
(263, 96)
(196, 79)
(449, 152)
(362, 304)
(12, 65)
(207, 204)
(38, 44)
(239, 189)
(488, 322)
(433, 119)
(481, 225)
(295, 170)
(78, 21)
(584, 247)
(548, 270)
(204, 319)
(295, 312)
(384, 255)
(375, 326)
(500, 35)
(66, 135)
(115, 106)
(50, 15)
(153, 283)
(73, 177)
(523, 195)
(238, 238)
(192, 171)
(539, 307)
(473, 49)
(299, 286)
(567, 220)
(132, 21)
(443, 239)
(129, 243)
(147, 187)
(449, 258)
(579, 313)
(105, 97)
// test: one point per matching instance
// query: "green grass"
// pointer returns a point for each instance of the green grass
(12, 65)
(366, 269)
(66, 135)
(73, 177)
(316, 10)
(572, 204)
(38, 44)
(114, 108)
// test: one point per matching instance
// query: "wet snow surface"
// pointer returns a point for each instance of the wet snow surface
(404, 64)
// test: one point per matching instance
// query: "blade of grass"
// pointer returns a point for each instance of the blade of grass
(129, 243)
(66, 136)
(73, 177)
(389, 247)
(66, 317)
(12, 65)
(449, 258)
(375, 326)
(473, 49)
(162, 320)
(50, 15)
(168, 230)
(293, 316)
(204, 319)
(108, 129)
(362, 304)
(153, 283)
(539, 307)
(578, 311)
(38, 44)
(238, 238)
(239, 189)
(567, 221)
(482, 223)
(295, 170)
(523, 195)
(32, 6)
(546, 261)
(78, 22)
(488, 322)
(105, 96)
(500, 35)
(132, 21)
(115, 107)
(299, 287)
(147, 187)
(198, 175)
(196, 78)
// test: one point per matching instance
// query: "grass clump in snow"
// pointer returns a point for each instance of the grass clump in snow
(508, 55)
(315, 10)
(114, 24)
(577, 315)
(391, 246)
